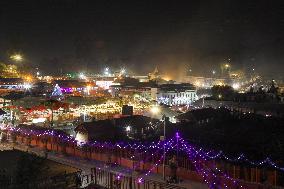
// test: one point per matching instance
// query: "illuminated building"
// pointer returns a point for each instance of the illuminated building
(169, 94)
(75, 87)
(175, 94)
(142, 89)
(10, 71)
(12, 83)
(104, 83)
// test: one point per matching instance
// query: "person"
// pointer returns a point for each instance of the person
(173, 166)
(78, 179)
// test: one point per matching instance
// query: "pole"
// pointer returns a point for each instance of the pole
(177, 136)
(13, 118)
(84, 114)
(164, 156)
(51, 116)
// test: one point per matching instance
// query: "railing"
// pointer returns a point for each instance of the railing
(112, 180)
(123, 158)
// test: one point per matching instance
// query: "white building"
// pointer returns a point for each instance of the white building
(104, 84)
(175, 94)
(12, 83)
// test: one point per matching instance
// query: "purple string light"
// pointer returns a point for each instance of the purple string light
(194, 155)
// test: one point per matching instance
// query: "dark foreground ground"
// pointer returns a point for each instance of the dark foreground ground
(22, 170)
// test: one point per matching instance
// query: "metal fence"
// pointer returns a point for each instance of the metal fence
(111, 180)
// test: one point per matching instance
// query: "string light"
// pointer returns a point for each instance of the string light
(197, 156)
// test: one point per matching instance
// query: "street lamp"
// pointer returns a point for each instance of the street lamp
(88, 88)
(107, 71)
(122, 71)
(155, 110)
(164, 149)
(82, 76)
(236, 86)
(27, 86)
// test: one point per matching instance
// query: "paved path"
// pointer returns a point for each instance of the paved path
(86, 165)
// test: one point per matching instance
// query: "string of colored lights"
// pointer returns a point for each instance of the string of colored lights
(243, 158)
(197, 157)
(213, 155)
(193, 154)
(139, 146)
(65, 138)
(140, 179)
(135, 146)
(168, 145)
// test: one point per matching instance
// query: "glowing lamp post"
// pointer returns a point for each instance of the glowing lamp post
(27, 86)
(107, 71)
(82, 76)
(88, 88)
(155, 110)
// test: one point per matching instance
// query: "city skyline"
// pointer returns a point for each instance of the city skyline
(141, 94)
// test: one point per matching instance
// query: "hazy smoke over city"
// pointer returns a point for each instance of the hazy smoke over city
(176, 37)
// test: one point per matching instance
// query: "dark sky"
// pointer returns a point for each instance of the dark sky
(175, 36)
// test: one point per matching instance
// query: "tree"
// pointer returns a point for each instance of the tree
(222, 92)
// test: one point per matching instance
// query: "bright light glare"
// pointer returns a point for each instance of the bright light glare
(39, 120)
(17, 57)
(155, 109)
(81, 138)
(236, 86)
(197, 84)
(27, 86)
(106, 72)
(82, 76)
(122, 71)
(128, 128)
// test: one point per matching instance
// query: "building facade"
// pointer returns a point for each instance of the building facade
(176, 94)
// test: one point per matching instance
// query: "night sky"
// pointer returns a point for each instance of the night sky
(175, 36)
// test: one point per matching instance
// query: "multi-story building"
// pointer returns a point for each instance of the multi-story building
(168, 94)
(175, 94)
(141, 89)
(12, 83)
(104, 82)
